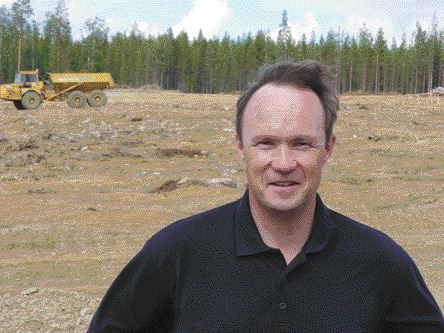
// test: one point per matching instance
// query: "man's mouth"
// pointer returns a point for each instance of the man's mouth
(284, 183)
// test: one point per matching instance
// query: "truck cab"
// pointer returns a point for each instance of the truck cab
(24, 77)
(28, 79)
(26, 91)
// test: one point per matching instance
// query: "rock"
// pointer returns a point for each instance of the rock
(184, 180)
(224, 182)
(147, 174)
(114, 133)
(171, 152)
(228, 172)
(169, 185)
(84, 312)
(40, 191)
(374, 137)
(438, 91)
(30, 291)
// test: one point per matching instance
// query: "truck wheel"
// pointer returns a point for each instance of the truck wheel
(18, 105)
(31, 100)
(76, 99)
(97, 98)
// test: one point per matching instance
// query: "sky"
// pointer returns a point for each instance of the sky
(238, 17)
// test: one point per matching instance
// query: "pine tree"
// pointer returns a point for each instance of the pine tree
(380, 52)
(284, 39)
(21, 13)
(183, 60)
(95, 44)
(420, 76)
(304, 47)
(5, 43)
(57, 32)
(435, 55)
(198, 58)
(365, 48)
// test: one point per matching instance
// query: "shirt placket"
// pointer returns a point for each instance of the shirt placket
(283, 305)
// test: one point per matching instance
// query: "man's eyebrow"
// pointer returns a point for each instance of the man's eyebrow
(299, 137)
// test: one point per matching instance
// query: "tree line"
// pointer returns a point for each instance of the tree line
(363, 63)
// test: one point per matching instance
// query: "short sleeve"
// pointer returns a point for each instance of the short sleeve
(413, 308)
(137, 299)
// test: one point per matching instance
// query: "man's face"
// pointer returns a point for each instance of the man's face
(284, 146)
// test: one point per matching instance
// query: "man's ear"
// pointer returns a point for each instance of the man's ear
(330, 146)
(239, 146)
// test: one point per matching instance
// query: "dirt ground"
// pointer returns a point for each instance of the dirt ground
(82, 190)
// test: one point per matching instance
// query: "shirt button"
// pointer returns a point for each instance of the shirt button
(283, 305)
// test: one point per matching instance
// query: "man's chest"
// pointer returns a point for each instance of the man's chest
(256, 295)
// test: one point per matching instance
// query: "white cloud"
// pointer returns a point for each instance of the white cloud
(425, 25)
(7, 3)
(78, 12)
(142, 26)
(145, 29)
(411, 29)
(355, 23)
(116, 24)
(207, 15)
(307, 25)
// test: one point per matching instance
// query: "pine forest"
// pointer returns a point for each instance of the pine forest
(363, 63)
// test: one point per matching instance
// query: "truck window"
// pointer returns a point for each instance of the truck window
(18, 78)
(31, 78)
(23, 78)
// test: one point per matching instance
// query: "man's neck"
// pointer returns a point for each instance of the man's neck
(287, 231)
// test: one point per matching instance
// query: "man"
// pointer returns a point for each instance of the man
(277, 260)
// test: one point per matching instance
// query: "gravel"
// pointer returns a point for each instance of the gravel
(52, 310)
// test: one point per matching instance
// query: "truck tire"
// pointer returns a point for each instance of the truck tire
(18, 105)
(31, 100)
(76, 99)
(97, 98)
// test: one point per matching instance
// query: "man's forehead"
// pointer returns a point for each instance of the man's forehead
(274, 95)
(277, 100)
(285, 111)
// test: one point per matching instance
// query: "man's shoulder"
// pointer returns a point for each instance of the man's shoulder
(195, 228)
(367, 241)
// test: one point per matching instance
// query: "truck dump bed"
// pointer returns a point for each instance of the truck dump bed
(86, 81)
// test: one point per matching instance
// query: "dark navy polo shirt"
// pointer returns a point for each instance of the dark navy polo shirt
(213, 273)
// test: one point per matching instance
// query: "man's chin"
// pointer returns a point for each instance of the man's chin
(283, 205)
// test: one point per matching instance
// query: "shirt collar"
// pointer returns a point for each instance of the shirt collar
(248, 241)
(323, 226)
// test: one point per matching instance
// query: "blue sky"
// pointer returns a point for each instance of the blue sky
(236, 17)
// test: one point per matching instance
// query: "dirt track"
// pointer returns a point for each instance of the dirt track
(82, 190)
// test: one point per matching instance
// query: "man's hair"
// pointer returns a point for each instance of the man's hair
(308, 74)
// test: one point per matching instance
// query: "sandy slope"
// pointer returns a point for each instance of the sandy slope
(81, 190)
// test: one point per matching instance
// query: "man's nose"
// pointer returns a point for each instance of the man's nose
(284, 159)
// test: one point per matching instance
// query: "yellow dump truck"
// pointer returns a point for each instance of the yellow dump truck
(79, 89)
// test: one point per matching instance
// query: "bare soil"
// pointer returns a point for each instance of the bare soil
(81, 190)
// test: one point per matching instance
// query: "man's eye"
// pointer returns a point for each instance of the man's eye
(303, 145)
(264, 143)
